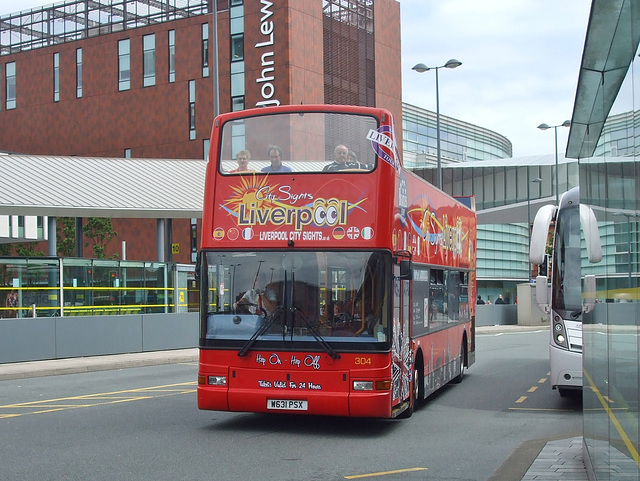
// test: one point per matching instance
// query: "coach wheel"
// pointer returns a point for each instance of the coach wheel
(416, 392)
(458, 378)
(418, 381)
(416, 386)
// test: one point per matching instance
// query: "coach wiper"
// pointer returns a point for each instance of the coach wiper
(268, 322)
(316, 334)
(313, 329)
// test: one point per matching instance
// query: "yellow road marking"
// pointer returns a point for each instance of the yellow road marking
(551, 410)
(533, 389)
(542, 381)
(521, 399)
(98, 399)
(384, 473)
(614, 420)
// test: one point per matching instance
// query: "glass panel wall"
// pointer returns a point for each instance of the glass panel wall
(40, 287)
(611, 359)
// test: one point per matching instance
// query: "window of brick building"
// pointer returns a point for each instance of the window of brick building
(172, 55)
(149, 60)
(56, 77)
(124, 64)
(237, 47)
(78, 72)
(205, 49)
(10, 75)
(192, 109)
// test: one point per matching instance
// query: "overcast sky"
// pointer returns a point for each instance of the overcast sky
(520, 62)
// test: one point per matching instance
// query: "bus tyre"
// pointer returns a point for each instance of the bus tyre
(418, 381)
(416, 391)
(407, 413)
(458, 378)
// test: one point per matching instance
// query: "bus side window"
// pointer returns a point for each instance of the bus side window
(438, 302)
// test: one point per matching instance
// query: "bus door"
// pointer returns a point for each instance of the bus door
(400, 347)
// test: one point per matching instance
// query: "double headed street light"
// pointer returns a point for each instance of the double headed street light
(420, 68)
(566, 123)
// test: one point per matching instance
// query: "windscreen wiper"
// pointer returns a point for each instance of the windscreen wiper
(316, 334)
(314, 331)
(268, 322)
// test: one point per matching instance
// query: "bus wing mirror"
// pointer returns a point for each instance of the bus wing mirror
(589, 301)
(591, 233)
(406, 270)
(540, 233)
(542, 294)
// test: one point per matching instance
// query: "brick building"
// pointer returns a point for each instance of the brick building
(136, 78)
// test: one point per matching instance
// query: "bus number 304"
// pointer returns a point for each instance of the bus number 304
(363, 361)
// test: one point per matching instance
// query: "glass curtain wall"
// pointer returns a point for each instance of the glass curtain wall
(611, 360)
(41, 287)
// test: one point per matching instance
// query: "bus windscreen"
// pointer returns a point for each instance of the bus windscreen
(297, 142)
(306, 296)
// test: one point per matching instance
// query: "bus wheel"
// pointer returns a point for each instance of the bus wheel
(414, 399)
(418, 381)
(416, 386)
(458, 378)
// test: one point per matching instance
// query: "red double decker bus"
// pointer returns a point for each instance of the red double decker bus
(333, 281)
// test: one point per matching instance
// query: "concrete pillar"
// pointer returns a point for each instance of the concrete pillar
(52, 243)
(169, 228)
(160, 239)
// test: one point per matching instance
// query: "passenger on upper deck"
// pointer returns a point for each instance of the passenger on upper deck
(242, 157)
(343, 161)
(275, 155)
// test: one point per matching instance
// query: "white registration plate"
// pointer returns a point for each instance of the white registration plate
(288, 404)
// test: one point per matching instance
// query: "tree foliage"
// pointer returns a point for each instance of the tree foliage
(100, 231)
(66, 236)
(27, 249)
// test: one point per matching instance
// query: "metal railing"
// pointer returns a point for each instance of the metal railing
(53, 286)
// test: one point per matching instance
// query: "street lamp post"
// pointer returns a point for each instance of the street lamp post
(566, 123)
(421, 68)
(538, 181)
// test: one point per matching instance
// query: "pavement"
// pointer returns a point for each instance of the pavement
(536, 460)
(55, 367)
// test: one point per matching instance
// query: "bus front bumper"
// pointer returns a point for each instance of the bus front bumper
(566, 368)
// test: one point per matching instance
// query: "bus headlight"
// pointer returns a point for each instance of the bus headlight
(559, 336)
(383, 385)
(217, 380)
(363, 385)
